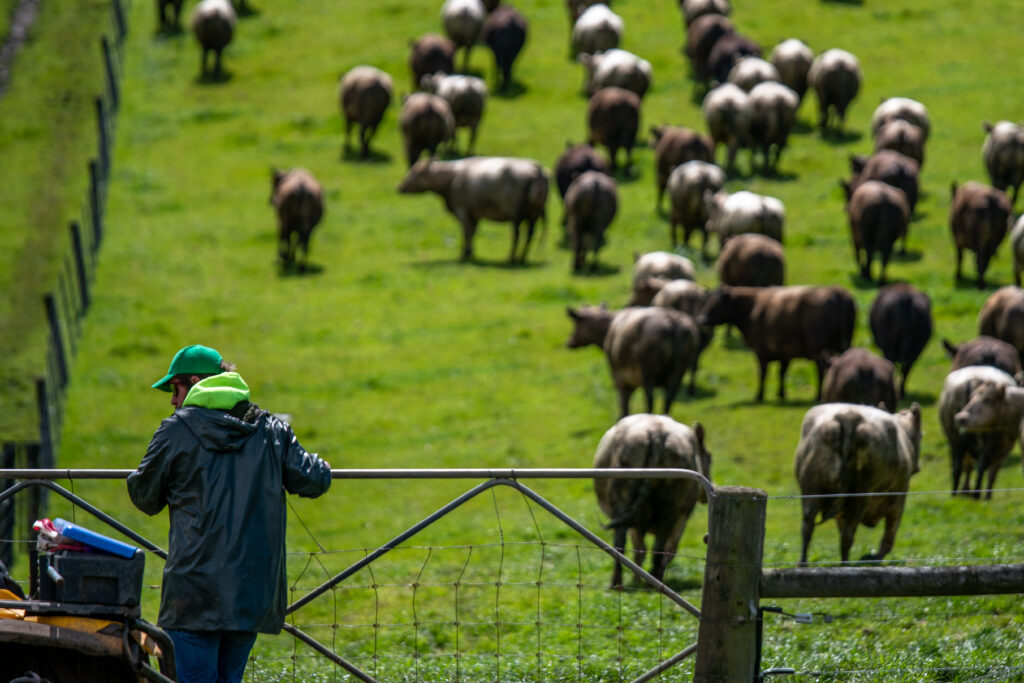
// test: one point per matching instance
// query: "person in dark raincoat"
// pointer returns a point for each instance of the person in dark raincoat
(222, 467)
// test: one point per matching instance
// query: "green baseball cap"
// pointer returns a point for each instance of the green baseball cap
(191, 360)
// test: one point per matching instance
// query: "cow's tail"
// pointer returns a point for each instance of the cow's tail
(841, 441)
(535, 201)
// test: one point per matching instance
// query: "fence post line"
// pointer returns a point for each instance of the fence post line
(727, 638)
(119, 22)
(94, 205)
(83, 279)
(56, 340)
(104, 143)
(115, 99)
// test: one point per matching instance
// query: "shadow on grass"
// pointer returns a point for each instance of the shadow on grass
(167, 32)
(244, 10)
(293, 269)
(598, 270)
(477, 262)
(838, 138)
(924, 400)
(213, 77)
(512, 91)
(908, 256)
(961, 282)
(353, 155)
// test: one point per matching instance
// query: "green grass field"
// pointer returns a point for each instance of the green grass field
(391, 353)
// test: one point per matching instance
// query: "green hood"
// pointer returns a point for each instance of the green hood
(222, 392)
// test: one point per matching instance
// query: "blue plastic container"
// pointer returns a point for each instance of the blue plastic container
(94, 540)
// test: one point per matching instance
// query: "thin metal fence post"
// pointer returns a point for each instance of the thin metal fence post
(83, 279)
(104, 142)
(108, 63)
(35, 507)
(94, 205)
(121, 28)
(7, 508)
(56, 340)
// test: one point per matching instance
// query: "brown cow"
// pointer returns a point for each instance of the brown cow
(657, 506)
(879, 215)
(891, 168)
(859, 376)
(979, 217)
(430, 54)
(649, 347)
(901, 325)
(613, 119)
(298, 201)
(675, 145)
(726, 51)
(590, 206)
(426, 122)
(783, 323)
(364, 94)
(1002, 317)
(687, 185)
(984, 350)
(504, 33)
(993, 413)
(903, 137)
(751, 260)
(701, 37)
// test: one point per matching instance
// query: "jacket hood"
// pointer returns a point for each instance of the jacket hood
(203, 412)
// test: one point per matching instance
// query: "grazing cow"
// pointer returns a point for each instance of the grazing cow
(1002, 317)
(617, 68)
(656, 506)
(463, 20)
(298, 201)
(505, 34)
(574, 161)
(836, 77)
(364, 94)
(726, 51)
(859, 376)
(891, 168)
(430, 54)
(726, 111)
(701, 37)
(783, 323)
(652, 270)
(613, 119)
(590, 206)
(213, 24)
(751, 260)
(981, 450)
(695, 9)
(466, 97)
(979, 217)
(772, 115)
(492, 188)
(426, 122)
(168, 21)
(878, 215)
(903, 137)
(742, 212)
(749, 71)
(901, 325)
(792, 58)
(992, 415)
(984, 350)
(847, 451)
(687, 185)
(1017, 248)
(675, 145)
(1003, 154)
(597, 29)
(647, 347)
(904, 109)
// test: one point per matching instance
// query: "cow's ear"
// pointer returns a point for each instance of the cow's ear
(1019, 377)
(572, 312)
(698, 429)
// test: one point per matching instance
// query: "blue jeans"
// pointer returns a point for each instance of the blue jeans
(211, 656)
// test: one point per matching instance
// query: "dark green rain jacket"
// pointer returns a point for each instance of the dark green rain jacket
(224, 479)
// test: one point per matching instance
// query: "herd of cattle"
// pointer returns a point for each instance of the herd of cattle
(854, 442)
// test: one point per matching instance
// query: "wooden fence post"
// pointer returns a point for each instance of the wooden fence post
(104, 138)
(727, 640)
(108, 64)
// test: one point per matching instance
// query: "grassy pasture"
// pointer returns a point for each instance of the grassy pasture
(391, 353)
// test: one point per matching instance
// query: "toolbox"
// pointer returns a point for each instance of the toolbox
(91, 577)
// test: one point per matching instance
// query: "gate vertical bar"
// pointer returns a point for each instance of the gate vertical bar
(727, 637)
(7, 508)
